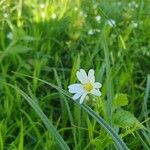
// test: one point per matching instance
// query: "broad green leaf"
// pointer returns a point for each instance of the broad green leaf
(120, 100)
(18, 49)
(125, 119)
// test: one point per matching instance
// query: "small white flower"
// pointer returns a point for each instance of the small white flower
(90, 32)
(87, 86)
(111, 22)
(97, 30)
(134, 24)
(98, 18)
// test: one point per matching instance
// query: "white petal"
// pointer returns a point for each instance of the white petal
(91, 75)
(82, 98)
(96, 92)
(76, 88)
(77, 95)
(97, 85)
(82, 76)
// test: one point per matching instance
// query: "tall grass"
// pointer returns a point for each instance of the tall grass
(52, 130)
(45, 43)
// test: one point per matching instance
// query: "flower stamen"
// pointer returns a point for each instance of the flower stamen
(88, 87)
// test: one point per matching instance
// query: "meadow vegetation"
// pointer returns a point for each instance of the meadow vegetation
(43, 43)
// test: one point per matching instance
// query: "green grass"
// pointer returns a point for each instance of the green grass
(43, 44)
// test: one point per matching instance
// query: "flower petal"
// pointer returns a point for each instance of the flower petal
(82, 76)
(82, 98)
(76, 96)
(76, 88)
(97, 85)
(91, 76)
(96, 92)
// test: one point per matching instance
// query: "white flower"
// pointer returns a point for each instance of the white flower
(111, 22)
(90, 32)
(98, 18)
(134, 24)
(97, 30)
(87, 86)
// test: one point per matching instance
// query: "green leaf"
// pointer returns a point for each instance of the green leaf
(122, 42)
(18, 49)
(120, 100)
(21, 137)
(102, 141)
(125, 119)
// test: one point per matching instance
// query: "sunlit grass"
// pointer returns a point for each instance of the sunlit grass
(42, 46)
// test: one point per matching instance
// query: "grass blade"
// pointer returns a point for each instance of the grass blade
(119, 143)
(52, 130)
(142, 141)
(146, 100)
(108, 81)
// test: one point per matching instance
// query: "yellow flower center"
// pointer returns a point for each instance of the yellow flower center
(88, 87)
